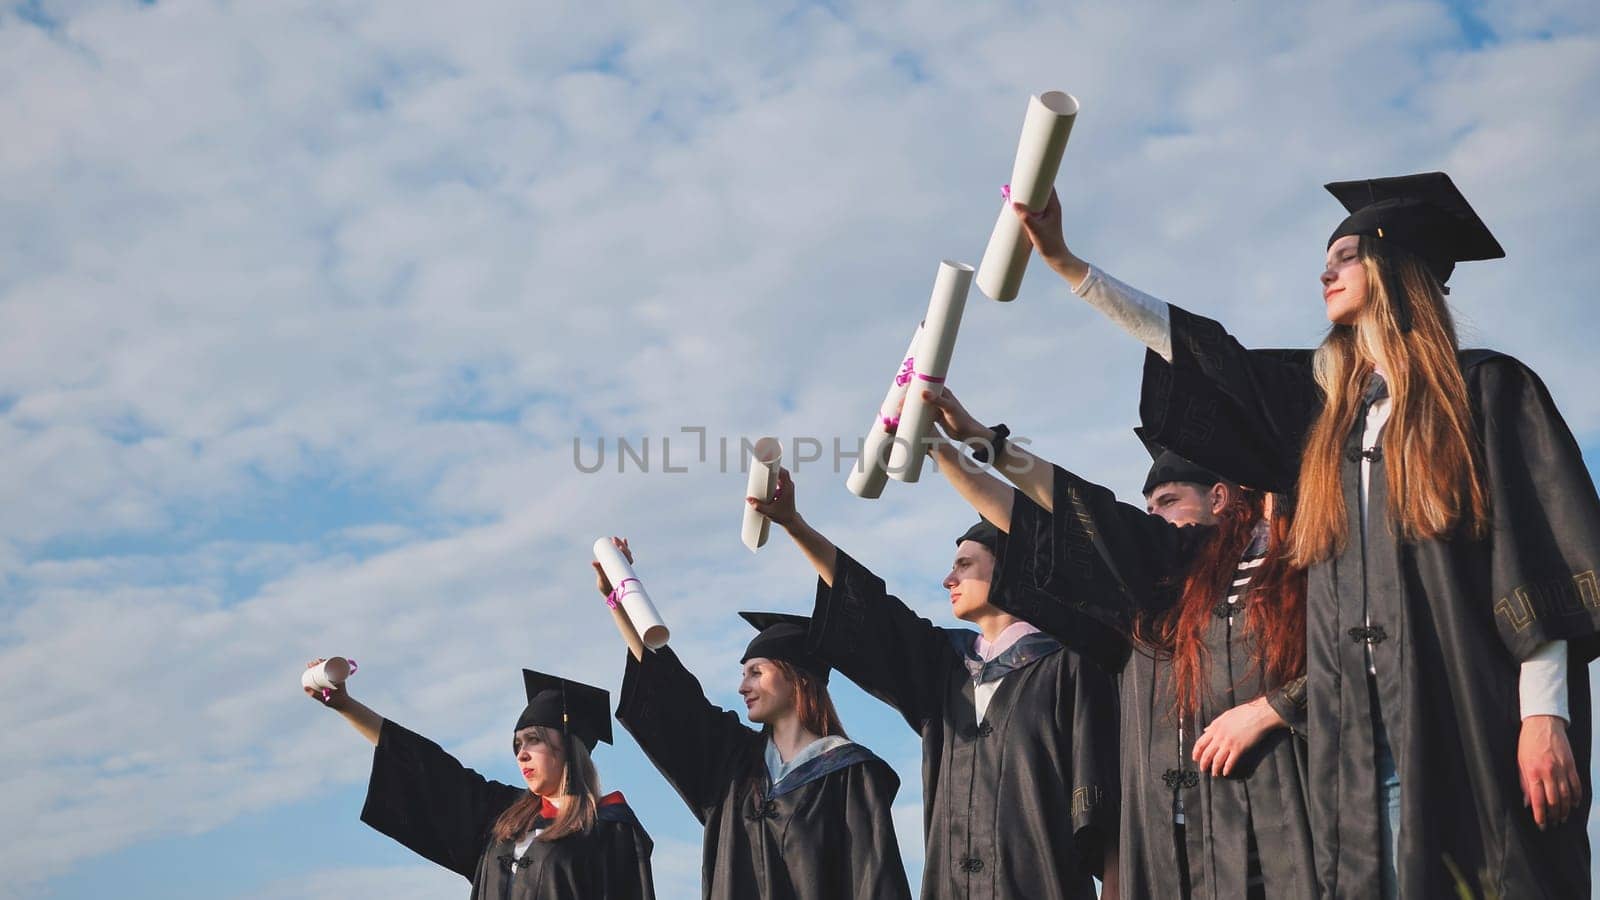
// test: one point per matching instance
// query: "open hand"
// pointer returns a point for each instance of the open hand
(1551, 784)
(1234, 732)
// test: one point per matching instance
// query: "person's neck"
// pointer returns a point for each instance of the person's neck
(993, 622)
(553, 800)
(790, 737)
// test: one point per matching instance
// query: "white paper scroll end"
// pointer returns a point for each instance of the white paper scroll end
(329, 676)
(1045, 130)
(631, 595)
(938, 344)
(765, 456)
(870, 473)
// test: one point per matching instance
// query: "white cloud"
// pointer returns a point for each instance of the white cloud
(391, 883)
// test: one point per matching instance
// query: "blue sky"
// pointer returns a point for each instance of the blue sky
(302, 305)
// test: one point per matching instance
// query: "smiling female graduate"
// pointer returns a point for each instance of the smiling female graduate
(792, 810)
(554, 838)
(1452, 534)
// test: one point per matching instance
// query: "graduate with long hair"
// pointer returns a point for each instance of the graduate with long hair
(1452, 534)
(1194, 603)
(794, 810)
(554, 838)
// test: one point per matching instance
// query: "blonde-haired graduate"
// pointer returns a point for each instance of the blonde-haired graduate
(1452, 535)
(792, 809)
(555, 837)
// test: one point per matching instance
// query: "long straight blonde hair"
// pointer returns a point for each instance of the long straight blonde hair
(580, 793)
(1430, 449)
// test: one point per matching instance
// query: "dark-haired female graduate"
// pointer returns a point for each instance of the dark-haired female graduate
(1196, 607)
(795, 810)
(1452, 534)
(1019, 735)
(555, 838)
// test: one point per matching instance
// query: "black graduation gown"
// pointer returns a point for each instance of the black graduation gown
(1045, 576)
(1457, 618)
(1017, 807)
(422, 797)
(825, 832)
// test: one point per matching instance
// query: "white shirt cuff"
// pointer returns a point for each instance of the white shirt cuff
(1139, 314)
(1542, 683)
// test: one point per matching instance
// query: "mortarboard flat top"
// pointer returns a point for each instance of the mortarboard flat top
(1424, 214)
(571, 706)
(1168, 467)
(785, 637)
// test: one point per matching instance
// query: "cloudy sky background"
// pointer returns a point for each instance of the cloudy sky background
(302, 305)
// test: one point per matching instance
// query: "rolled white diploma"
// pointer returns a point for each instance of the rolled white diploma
(630, 595)
(949, 299)
(330, 676)
(1045, 130)
(870, 473)
(764, 458)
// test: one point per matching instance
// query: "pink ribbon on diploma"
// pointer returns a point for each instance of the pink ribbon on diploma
(1005, 191)
(894, 421)
(614, 598)
(907, 369)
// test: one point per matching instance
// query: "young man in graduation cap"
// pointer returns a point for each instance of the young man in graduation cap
(554, 838)
(1191, 601)
(792, 811)
(1019, 735)
(1451, 531)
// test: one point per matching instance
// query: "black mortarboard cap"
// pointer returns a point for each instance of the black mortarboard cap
(984, 533)
(1422, 214)
(575, 708)
(1168, 467)
(783, 637)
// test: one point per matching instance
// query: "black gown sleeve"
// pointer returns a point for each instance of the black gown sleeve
(1083, 571)
(1545, 536)
(628, 873)
(422, 797)
(880, 644)
(1288, 700)
(698, 747)
(1089, 707)
(873, 868)
(1240, 413)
